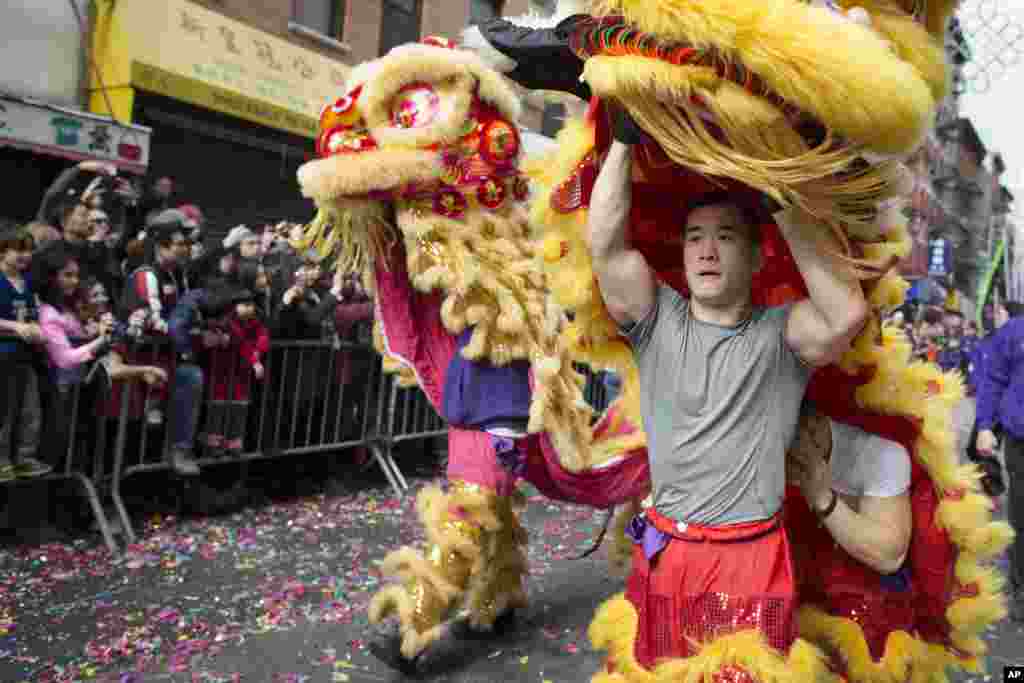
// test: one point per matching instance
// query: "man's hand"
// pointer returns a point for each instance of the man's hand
(807, 464)
(92, 196)
(338, 283)
(99, 167)
(813, 474)
(154, 376)
(30, 333)
(293, 293)
(987, 442)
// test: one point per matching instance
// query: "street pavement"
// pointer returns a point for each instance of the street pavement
(277, 592)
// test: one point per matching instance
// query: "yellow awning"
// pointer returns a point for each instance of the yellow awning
(181, 50)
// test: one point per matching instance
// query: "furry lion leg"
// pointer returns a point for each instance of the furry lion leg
(434, 581)
(498, 585)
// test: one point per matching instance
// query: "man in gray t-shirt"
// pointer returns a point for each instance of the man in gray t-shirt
(720, 405)
(721, 386)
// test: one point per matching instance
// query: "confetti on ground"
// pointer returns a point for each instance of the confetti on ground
(192, 588)
(198, 599)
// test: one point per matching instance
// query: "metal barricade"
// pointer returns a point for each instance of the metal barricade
(70, 431)
(315, 397)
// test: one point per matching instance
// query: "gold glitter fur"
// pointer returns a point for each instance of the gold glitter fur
(473, 560)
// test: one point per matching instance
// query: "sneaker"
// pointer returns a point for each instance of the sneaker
(7, 473)
(233, 447)
(536, 50)
(182, 464)
(155, 417)
(28, 468)
(386, 645)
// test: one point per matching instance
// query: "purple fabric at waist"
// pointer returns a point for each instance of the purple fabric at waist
(481, 395)
(647, 535)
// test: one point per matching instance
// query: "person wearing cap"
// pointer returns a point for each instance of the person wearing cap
(155, 287)
(244, 242)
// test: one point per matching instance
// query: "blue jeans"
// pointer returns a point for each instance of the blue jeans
(186, 399)
(612, 386)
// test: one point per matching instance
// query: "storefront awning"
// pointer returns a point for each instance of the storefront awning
(72, 134)
(184, 51)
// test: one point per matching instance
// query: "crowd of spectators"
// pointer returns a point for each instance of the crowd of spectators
(112, 283)
(942, 335)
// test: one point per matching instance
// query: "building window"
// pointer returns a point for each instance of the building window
(326, 17)
(485, 10)
(400, 23)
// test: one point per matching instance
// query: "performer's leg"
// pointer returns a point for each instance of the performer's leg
(499, 587)
(473, 545)
(1015, 495)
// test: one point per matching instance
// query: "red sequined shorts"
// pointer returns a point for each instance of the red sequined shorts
(711, 581)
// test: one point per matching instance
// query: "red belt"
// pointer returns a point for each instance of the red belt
(713, 534)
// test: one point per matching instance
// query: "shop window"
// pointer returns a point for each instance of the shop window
(326, 17)
(400, 23)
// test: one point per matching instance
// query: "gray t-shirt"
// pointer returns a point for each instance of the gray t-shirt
(720, 407)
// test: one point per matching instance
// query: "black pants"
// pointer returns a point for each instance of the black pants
(1015, 499)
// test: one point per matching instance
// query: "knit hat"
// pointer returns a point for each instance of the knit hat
(238, 234)
(193, 213)
(170, 217)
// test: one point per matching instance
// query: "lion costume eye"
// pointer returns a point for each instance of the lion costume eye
(416, 105)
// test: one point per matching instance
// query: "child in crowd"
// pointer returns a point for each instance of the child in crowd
(231, 371)
(20, 340)
(253, 276)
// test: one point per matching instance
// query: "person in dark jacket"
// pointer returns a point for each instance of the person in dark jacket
(1001, 403)
(300, 316)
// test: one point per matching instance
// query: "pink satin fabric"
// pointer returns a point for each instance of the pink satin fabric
(414, 332)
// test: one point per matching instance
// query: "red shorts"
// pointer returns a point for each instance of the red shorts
(711, 581)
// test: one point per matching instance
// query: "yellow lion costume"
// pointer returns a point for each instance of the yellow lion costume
(419, 187)
(766, 96)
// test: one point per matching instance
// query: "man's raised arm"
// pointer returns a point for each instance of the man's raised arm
(820, 328)
(627, 283)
